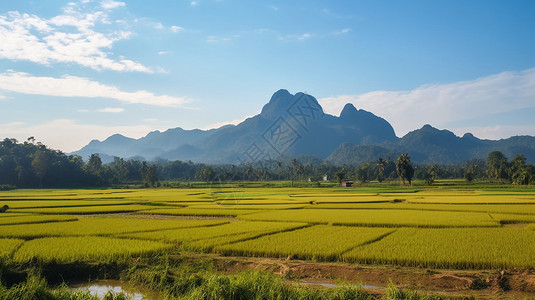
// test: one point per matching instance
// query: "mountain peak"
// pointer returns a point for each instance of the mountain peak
(349, 110)
(278, 103)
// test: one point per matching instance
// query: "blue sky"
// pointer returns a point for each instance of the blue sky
(75, 71)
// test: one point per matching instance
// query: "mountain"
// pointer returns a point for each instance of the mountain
(430, 145)
(288, 125)
(296, 126)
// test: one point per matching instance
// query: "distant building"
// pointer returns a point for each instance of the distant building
(347, 183)
(325, 178)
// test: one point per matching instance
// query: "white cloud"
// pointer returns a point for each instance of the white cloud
(444, 104)
(109, 4)
(111, 110)
(72, 86)
(304, 36)
(496, 132)
(176, 29)
(216, 39)
(193, 3)
(67, 38)
(67, 135)
(163, 52)
(343, 31)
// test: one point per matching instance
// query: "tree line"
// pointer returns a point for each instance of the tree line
(31, 164)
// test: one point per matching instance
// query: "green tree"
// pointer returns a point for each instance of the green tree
(380, 169)
(521, 173)
(94, 165)
(497, 166)
(340, 175)
(40, 165)
(431, 174)
(404, 168)
(363, 173)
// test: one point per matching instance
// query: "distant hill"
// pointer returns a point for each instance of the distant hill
(429, 145)
(289, 125)
(296, 126)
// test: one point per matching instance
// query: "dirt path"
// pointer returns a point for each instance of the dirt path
(488, 284)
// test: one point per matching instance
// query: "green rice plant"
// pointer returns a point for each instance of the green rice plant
(90, 248)
(99, 226)
(378, 217)
(451, 248)
(320, 242)
(7, 246)
(28, 219)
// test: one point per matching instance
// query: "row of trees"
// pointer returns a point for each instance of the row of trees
(31, 164)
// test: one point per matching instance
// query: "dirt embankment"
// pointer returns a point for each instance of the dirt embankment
(479, 283)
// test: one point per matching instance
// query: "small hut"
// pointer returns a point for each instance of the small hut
(347, 183)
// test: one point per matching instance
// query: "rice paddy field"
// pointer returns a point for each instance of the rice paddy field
(449, 226)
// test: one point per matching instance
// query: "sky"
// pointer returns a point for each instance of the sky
(71, 72)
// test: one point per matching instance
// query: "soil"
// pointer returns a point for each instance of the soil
(481, 284)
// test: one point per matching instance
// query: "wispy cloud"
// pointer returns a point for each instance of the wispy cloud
(444, 104)
(70, 37)
(342, 31)
(176, 29)
(111, 110)
(72, 86)
(109, 4)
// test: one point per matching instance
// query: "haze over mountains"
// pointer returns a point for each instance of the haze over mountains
(294, 126)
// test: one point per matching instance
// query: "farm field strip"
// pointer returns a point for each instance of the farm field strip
(98, 226)
(378, 217)
(61, 203)
(451, 248)
(248, 207)
(220, 231)
(72, 249)
(483, 208)
(87, 209)
(28, 219)
(186, 211)
(8, 246)
(321, 242)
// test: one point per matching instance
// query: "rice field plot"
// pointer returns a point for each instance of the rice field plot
(248, 207)
(7, 246)
(513, 218)
(71, 249)
(320, 242)
(221, 232)
(28, 219)
(14, 204)
(525, 209)
(206, 212)
(98, 226)
(451, 248)
(378, 217)
(81, 210)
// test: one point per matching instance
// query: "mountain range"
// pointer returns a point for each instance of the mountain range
(296, 125)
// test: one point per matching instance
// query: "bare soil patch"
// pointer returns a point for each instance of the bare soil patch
(486, 284)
